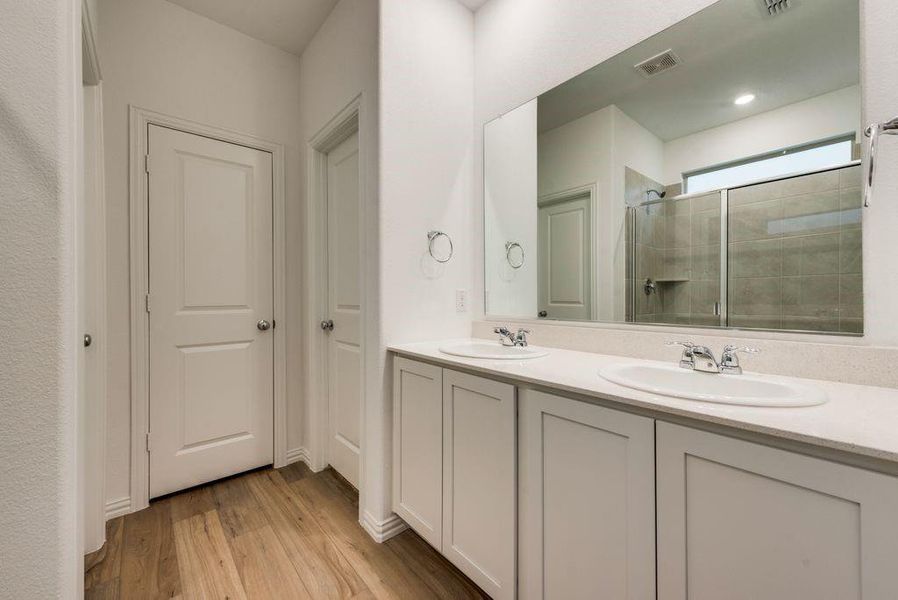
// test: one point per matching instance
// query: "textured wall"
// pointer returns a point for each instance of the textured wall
(39, 545)
(426, 152)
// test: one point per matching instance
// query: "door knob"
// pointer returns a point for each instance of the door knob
(88, 340)
(543, 313)
(327, 325)
(263, 325)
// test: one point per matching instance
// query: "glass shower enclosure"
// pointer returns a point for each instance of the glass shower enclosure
(782, 254)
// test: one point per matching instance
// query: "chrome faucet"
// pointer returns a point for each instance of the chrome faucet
(701, 358)
(729, 362)
(512, 339)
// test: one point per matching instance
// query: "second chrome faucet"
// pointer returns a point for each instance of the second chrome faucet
(701, 358)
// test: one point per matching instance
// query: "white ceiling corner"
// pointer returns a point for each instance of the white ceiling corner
(287, 24)
(473, 4)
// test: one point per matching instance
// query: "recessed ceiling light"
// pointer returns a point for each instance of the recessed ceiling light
(744, 99)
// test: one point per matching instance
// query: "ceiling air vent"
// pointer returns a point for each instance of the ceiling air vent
(658, 64)
(775, 7)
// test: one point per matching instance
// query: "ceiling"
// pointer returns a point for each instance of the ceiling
(286, 24)
(731, 48)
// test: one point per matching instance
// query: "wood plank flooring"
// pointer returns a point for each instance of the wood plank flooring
(270, 534)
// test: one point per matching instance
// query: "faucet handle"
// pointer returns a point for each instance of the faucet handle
(687, 360)
(731, 349)
(686, 345)
(502, 330)
(524, 331)
(729, 361)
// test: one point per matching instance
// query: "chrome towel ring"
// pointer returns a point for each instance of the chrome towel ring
(432, 236)
(873, 132)
(515, 264)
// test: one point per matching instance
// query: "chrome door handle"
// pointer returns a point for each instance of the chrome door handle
(88, 340)
(327, 325)
(263, 325)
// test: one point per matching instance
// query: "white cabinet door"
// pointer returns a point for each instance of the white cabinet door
(418, 447)
(586, 499)
(479, 480)
(738, 520)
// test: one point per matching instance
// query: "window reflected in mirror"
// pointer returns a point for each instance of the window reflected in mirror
(708, 176)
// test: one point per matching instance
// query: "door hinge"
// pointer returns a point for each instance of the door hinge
(146, 163)
(147, 301)
(148, 442)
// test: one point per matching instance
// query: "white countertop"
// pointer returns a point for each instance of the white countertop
(858, 419)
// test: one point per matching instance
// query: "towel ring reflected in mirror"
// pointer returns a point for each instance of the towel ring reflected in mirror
(432, 237)
(515, 264)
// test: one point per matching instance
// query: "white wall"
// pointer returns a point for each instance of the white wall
(525, 47)
(426, 153)
(40, 49)
(811, 120)
(510, 189)
(161, 57)
(338, 65)
(594, 150)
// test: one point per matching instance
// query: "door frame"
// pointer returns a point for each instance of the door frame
(139, 121)
(590, 191)
(339, 128)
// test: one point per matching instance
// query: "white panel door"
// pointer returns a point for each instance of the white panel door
(565, 259)
(418, 447)
(479, 480)
(211, 366)
(344, 309)
(586, 501)
(742, 521)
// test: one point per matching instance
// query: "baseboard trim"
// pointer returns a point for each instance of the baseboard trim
(381, 531)
(117, 508)
(301, 454)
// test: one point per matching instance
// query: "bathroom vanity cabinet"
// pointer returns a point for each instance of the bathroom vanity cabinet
(586, 498)
(736, 515)
(615, 505)
(454, 468)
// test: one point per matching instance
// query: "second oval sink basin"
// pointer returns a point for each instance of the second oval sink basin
(492, 350)
(744, 390)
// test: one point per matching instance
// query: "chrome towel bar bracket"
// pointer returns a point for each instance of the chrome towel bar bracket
(873, 132)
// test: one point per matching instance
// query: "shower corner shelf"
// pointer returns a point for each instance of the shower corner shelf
(671, 280)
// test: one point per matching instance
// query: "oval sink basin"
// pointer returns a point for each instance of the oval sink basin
(744, 390)
(492, 350)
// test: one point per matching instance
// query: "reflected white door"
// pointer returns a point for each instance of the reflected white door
(565, 259)
(211, 356)
(344, 309)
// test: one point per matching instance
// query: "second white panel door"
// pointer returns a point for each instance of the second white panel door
(565, 259)
(344, 309)
(211, 304)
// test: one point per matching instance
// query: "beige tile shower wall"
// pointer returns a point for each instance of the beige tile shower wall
(795, 253)
(794, 355)
(689, 283)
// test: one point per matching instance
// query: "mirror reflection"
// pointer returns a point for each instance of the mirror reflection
(708, 176)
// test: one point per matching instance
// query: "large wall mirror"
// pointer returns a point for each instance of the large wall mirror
(708, 176)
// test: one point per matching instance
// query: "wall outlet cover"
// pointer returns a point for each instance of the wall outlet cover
(461, 301)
